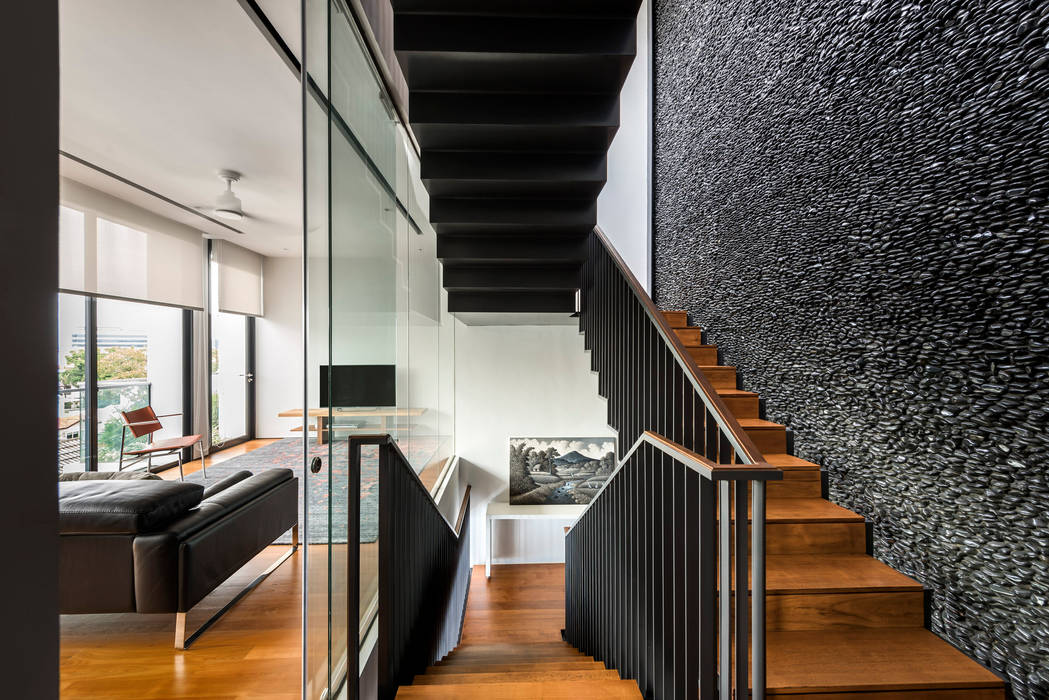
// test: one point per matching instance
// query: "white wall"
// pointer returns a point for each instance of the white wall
(278, 348)
(520, 381)
(623, 208)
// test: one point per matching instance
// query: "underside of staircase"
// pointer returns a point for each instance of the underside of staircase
(841, 624)
(514, 106)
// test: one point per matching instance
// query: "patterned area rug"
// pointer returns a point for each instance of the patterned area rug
(287, 454)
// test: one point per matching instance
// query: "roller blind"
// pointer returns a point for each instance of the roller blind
(111, 248)
(239, 279)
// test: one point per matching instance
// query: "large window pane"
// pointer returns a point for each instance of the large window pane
(72, 333)
(139, 363)
(229, 393)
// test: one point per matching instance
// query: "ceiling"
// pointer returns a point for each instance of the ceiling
(165, 94)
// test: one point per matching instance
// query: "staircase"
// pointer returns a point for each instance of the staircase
(512, 648)
(840, 623)
(514, 106)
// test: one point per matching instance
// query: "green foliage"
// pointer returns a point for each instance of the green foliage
(215, 419)
(113, 363)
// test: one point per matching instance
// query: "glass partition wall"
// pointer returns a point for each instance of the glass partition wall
(379, 345)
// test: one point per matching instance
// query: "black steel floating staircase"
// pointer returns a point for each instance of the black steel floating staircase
(514, 105)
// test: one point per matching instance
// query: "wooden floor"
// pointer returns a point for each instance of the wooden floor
(512, 648)
(254, 651)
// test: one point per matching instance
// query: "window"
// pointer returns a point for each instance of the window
(139, 363)
(72, 310)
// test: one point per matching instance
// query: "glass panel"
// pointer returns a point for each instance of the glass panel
(139, 364)
(229, 381)
(72, 334)
(317, 666)
(375, 310)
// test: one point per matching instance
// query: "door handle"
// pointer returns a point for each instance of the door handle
(315, 465)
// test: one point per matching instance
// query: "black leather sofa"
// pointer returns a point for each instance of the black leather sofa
(154, 546)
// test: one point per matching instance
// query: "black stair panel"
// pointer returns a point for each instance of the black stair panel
(510, 276)
(528, 35)
(516, 72)
(521, 8)
(495, 108)
(517, 301)
(512, 249)
(540, 213)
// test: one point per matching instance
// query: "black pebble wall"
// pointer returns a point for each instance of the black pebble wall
(851, 200)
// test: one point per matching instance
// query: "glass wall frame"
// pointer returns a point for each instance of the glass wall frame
(373, 299)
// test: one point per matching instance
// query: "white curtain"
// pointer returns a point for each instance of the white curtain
(111, 248)
(239, 273)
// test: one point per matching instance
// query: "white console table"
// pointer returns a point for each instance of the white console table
(504, 511)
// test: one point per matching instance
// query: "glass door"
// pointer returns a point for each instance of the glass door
(232, 377)
(355, 267)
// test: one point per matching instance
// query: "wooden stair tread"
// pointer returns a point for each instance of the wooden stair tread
(759, 424)
(785, 461)
(736, 393)
(538, 673)
(516, 667)
(804, 510)
(545, 690)
(832, 573)
(835, 661)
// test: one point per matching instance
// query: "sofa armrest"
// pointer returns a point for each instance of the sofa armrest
(210, 555)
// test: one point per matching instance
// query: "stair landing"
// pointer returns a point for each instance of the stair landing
(511, 647)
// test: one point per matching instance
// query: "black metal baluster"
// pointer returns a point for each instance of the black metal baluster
(742, 611)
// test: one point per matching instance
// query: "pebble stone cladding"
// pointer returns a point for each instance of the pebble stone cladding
(851, 200)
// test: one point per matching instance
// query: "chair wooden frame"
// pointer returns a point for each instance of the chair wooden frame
(149, 426)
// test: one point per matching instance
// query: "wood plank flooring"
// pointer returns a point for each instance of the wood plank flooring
(511, 647)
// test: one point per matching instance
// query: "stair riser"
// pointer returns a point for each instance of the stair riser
(690, 336)
(771, 440)
(676, 319)
(815, 538)
(743, 406)
(826, 611)
(795, 484)
(706, 355)
(551, 666)
(520, 677)
(721, 377)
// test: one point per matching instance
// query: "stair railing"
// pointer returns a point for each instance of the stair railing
(647, 374)
(423, 564)
(640, 567)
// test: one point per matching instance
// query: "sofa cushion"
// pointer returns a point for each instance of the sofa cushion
(109, 476)
(123, 507)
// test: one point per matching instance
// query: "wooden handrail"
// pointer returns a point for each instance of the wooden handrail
(463, 508)
(707, 469)
(725, 419)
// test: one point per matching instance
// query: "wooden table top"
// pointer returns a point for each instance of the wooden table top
(344, 412)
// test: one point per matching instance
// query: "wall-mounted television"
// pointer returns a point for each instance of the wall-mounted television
(355, 386)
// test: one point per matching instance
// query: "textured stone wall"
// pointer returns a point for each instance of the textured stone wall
(851, 198)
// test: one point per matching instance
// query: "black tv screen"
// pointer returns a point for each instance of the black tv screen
(358, 386)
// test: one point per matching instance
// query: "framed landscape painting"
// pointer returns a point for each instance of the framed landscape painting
(559, 471)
